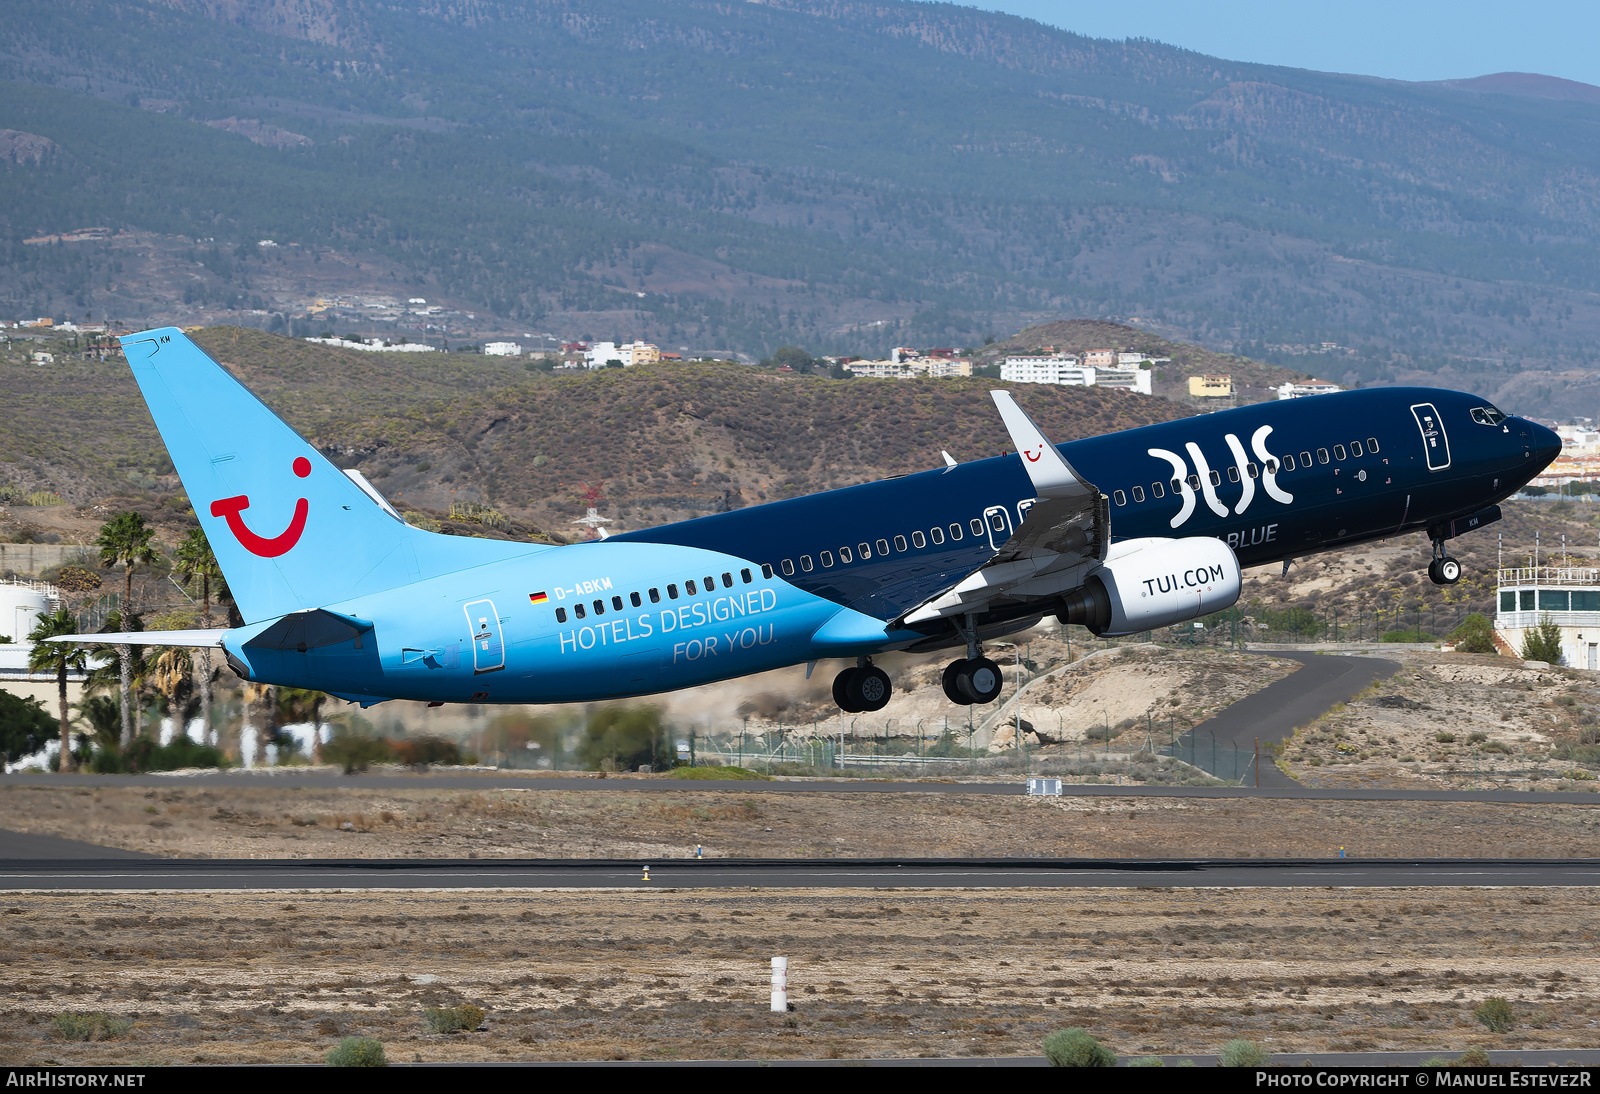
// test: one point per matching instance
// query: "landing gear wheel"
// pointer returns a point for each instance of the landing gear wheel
(952, 689)
(841, 692)
(1449, 570)
(869, 689)
(980, 680)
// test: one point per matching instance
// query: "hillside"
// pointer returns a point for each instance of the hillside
(434, 430)
(842, 174)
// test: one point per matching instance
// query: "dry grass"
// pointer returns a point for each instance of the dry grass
(281, 977)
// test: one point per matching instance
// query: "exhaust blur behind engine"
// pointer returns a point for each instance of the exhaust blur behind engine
(1148, 583)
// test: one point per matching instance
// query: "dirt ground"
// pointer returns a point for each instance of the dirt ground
(752, 822)
(281, 977)
(1456, 720)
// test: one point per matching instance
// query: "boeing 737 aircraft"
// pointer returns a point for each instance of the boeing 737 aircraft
(1121, 533)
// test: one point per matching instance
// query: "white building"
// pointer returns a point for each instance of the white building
(1310, 387)
(602, 353)
(375, 345)
(1135, 379)
(1568, 595)
(502, 349)
(1054, 369)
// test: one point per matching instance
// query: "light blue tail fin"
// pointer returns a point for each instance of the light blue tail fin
(290, 530)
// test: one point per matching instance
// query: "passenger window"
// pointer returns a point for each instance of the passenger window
(1355, 448)
(864, 550)
(1305, 459)
(1252, 470)
(577, 610)
(599, 607)
(1119, 497)
(1216, 478)
(956, 533)
(1157, 490)
(744, 574)
(805, 563)
(616, 602)
(672, 591)
(937, 534)
(688, 586)
(899, 543)
(977, 525)
(1177, 486)
(561, 615)
(1372, 445)
(787, 566)
(918, 540)
(1338, 452)
(1322, 455)
(727, 580)
(655, 596)
(1138, 494)
(883, 546)
(766, 570)
(636, 600)
(844, 556)
(710, 584)
(997, 522)
(1194, 482)
(1233, 473)
(1288, 463)
(827, 558)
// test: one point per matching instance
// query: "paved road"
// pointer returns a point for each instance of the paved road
(1504, 1057)
(1280, 708)
(494, 781)
(130, 874)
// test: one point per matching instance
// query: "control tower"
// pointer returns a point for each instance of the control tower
(1569, 595)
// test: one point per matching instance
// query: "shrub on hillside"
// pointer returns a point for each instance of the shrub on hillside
(462, 1019)
(1077, 1048)
(355, 753)
(358, 1052)
(1496, 1014)
(90, 1027)
(1475, 635)
(1543, 643)
(423, 751)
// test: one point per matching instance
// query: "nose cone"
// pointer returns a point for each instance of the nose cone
(1543, 444)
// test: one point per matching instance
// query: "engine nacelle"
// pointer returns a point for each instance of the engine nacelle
(1148, 583)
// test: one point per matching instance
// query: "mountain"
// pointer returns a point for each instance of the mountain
(844, 174)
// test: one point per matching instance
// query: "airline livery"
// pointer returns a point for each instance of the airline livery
(1121, 533)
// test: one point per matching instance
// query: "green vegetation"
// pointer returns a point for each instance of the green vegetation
(622, 738)
(1414, 635)
(1474, 1057)
(1475, 635)
(1242, 1053)
(25, 726)
(96, 1026)
(728, 772)
(1077, 1048)
(356, 752)
(1495, 1014)
(458, 1019)
(1543, 642)
(358, 1052)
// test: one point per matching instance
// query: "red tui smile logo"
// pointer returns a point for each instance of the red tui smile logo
(231, 508)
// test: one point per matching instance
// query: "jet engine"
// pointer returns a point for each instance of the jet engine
(1149, 583)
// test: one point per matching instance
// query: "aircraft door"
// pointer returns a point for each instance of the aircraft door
(488, 643)
(1435, 444)
(997, 520)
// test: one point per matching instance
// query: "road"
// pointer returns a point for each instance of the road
(71, 872)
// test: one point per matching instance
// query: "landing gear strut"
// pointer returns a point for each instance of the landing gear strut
(862, 689)
(1443, 570)
(974, 679)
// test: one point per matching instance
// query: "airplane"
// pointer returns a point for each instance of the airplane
(1122, 533)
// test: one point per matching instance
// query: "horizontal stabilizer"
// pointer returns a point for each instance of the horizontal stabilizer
(193, 639)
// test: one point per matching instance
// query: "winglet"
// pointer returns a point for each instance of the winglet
(1052, 476)
(949, 460)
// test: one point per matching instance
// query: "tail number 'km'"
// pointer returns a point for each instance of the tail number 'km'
(1184, 487)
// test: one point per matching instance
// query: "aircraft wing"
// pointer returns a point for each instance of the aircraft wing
(192, 639)
(1065, 533)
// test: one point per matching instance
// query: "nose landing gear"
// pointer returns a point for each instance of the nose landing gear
(1443, 570)
(862, 689)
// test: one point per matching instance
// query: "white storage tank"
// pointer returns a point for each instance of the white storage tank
(21, 604)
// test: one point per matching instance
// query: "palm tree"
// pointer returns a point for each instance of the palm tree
(173, 669)
(124, 541)
(59, 658)
(304, 705)
(195, 559)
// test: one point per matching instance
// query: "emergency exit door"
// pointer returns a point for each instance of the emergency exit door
(488, 644)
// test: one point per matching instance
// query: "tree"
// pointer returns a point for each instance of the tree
(1543, 643)
(59, 658)
(24, 725)
(622, 738)
(172, 670)
(124, 541)
(794, 357)
(1475, 635)
(303, 705)
(195, 559)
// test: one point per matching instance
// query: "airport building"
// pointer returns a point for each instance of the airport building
(1568, 595)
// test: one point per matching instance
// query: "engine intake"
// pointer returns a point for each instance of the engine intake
(1148, 583)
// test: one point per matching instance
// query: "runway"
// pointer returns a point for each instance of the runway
(241, 874)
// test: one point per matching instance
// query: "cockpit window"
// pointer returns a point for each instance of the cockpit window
(1488, 415)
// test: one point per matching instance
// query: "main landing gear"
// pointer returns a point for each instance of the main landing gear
(975, 678)
(1443, 570)
(862, 689)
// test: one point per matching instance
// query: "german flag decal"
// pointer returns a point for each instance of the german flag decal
(537, 598)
